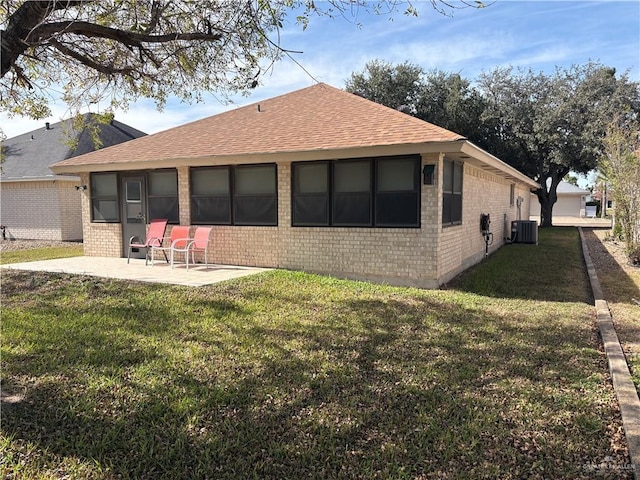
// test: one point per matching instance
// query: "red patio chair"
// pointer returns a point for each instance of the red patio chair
(200, 243)
(178, 238)
(154, 238)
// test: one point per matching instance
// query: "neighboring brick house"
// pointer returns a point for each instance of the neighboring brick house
(319, 180)
(37, 204)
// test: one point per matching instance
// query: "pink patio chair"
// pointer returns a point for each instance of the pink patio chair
(178, 238)
(200, 243)
(154, 238)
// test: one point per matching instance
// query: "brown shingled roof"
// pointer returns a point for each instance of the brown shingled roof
(320, 117)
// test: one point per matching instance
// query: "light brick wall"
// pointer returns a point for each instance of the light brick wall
(391, 255)
(184, 196)
(71, 211)
(100, 239)
(424, 257)
(44, 210)
(463, 245)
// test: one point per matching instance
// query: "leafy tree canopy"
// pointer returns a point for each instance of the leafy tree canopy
(620, 167)
(444, 99)
(543, 125)
(548, 125)
(115, 51)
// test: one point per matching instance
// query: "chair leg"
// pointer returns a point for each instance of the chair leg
(129, 254)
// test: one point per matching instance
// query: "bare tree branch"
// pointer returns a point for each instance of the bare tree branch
(106, 70)
(92, 30)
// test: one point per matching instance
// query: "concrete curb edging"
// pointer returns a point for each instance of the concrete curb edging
(620, 375)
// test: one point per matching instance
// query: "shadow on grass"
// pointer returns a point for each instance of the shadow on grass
(384, 384)
(617, 286)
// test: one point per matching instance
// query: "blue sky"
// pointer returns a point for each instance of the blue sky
(530, 34)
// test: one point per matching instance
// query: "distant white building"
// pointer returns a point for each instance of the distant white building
(571, 202)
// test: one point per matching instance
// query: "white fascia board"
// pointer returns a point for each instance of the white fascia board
(50, 178)
(490, 161)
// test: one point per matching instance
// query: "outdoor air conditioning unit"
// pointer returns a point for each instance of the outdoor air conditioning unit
(524, 231)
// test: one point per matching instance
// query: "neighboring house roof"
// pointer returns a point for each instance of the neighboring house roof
(316, 120)
(28, 156)
(566, 188)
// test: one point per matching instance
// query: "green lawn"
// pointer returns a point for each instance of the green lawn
(46, 253)
(290, 375)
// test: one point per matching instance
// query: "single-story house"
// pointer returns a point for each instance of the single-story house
(37, 204)
(318, 179)
(571, 201)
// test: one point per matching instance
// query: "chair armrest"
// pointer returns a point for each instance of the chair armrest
(135, 237)
(187, 241)
(154, 242)
(163, 240)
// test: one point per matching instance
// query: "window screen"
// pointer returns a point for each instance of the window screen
(452, 193)
(343, 193)
(310, 194)
(398, 192)
(255, 195)
(104, 197)
(210, 196)
(234, 195)
(163, 195)
(352, 193)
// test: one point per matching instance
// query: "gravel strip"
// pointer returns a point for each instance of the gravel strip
(12, 245)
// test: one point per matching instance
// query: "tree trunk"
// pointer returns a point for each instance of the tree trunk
(546, 210)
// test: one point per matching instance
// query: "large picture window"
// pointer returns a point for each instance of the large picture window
(163, 195)
(234, 195)
(104, 197)
(452, 193)
(380, 192)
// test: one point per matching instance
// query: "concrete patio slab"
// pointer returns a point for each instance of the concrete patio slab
(109, 267)
(560, 221)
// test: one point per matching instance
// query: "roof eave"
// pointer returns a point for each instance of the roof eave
(467, 152)
(262, 157)
(46, 178)
(494, 164)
